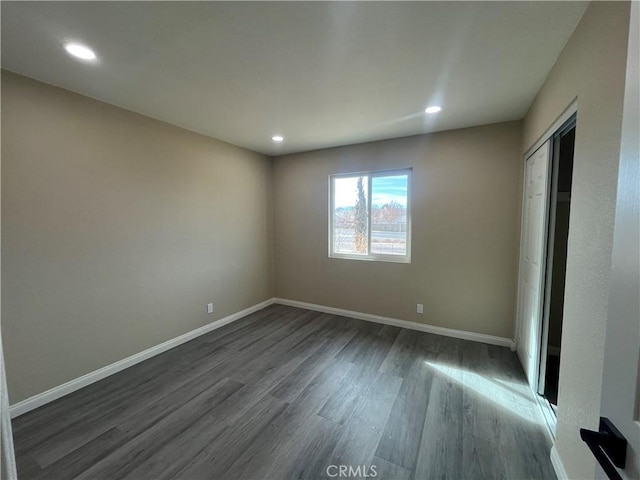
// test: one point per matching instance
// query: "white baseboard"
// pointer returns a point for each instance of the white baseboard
(447, 332)
(556, 461)
(71, 386)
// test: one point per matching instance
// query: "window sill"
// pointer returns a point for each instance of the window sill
(373, 258)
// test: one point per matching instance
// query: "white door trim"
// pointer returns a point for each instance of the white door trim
(555, 126)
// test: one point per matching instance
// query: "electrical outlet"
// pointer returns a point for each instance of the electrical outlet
(420, 308)
(209, 307)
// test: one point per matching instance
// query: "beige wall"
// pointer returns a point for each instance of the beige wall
(466, 207)
(117, 231)
(591, 68)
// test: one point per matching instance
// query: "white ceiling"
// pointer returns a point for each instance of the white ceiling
(321, 74)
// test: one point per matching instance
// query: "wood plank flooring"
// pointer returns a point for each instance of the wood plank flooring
(285, 393)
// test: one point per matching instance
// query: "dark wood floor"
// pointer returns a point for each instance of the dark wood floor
(284, 394)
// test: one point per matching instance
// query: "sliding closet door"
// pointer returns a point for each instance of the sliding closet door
(532, 259)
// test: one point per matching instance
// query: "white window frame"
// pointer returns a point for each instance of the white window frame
(375, 257)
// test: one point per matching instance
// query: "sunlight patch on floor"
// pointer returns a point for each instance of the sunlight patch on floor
(510, 396)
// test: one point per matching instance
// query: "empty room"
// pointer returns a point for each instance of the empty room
(320, 240)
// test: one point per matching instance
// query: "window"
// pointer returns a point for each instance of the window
(369, 216)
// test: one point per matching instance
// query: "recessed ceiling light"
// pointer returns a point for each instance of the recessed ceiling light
(433, 109)
(277, 138)
(80, 51)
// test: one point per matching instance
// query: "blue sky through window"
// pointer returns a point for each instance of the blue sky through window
(385, 190)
